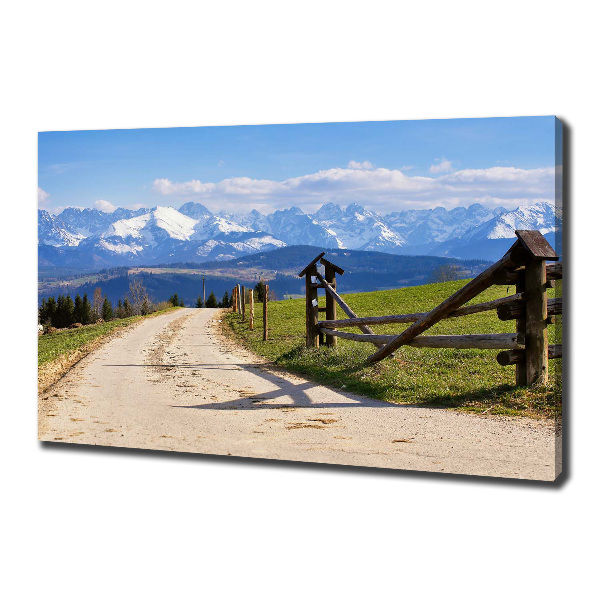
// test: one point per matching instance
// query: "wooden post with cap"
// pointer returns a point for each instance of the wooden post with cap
(330, 305)
(312, 302)
(536, 307)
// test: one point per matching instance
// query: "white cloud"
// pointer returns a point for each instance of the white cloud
(443, 166)
(381, 189)
(364, 166)
(42, 198)
(136, 206)
(105, 206)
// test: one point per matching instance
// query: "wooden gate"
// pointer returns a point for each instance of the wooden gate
(524, 265)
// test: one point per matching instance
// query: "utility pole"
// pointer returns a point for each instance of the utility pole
(203, 293)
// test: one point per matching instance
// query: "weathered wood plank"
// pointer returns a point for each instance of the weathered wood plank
(330, 305)
(516, 357)
(266, 314)
(312, 263)
(251, 298)
(411, 318)
(536, 331)
(326, 263)
(489, 341)
(521, 327)
(466, 293)
(243, 303)
(553, 271)
(536, 244)
(312, 309)
(346, 308)
(516, 309)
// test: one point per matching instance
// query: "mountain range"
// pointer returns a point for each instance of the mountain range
(91, 239)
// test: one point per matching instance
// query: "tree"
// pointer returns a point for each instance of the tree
(97, 304)
(64, 312)
(119, 312)
(138, 297)
(107, 311)
(199, 302)
(47, 312)
(174, 300)
(127, 308)
(445, 272)
(211, 301)
(259, 288)
(87, 315)
(78, 310)
(226, 303)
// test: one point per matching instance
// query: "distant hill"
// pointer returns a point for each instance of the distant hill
(364, 271)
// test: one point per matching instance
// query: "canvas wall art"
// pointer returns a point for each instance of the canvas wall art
(374, 294)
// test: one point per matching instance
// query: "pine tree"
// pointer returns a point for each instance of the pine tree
(47, 311)
(120, 309)
(259, 288)
(78, 310)
(127, 309)
(174, 300)
(211, 301)
(225, 302)
(64, 311)
(199, 302)
(107, 311)
(87, 314)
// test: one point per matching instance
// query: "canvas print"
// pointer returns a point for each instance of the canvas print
(374, 294)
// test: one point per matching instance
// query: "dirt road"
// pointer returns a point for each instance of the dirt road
(174, 383)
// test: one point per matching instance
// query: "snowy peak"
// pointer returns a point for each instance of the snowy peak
(541, 216)
(165, 234)
(195, 210)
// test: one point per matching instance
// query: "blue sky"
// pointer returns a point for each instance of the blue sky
(386, 166)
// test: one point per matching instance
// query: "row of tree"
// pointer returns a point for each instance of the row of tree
(212, 302)
(227, 301)
(63, 311)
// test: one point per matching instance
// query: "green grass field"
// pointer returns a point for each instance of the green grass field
(469, 380)
(55, 345)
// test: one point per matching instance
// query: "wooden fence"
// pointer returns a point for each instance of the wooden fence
(240, 297)
(524, 265)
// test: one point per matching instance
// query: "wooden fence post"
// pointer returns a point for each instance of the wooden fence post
(233, 301)
(265, 313)
(520, 370)
(239, 298)
(312, 308)
(251, 309)
(536, 330)
(330, 305)
(243, 303)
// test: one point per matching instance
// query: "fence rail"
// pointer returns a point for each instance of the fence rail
(524, 265)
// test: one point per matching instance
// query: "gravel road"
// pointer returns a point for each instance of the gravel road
(173, 382)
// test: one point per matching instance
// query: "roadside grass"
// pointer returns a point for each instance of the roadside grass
(466, 380)
(54, 346)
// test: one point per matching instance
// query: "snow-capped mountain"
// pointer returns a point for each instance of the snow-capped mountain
(420, 227)
(493, 237)
(358, 228)
(92, 238)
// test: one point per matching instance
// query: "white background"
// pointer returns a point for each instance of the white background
(102, 524)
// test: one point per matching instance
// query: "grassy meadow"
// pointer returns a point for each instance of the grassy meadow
(53, 346)
(467, 380)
